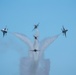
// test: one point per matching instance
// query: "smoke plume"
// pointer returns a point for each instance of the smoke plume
(34, 63)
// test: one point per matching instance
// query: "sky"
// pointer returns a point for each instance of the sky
(20, 16)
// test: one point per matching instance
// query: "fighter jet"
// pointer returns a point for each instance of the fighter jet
(35, 37)
(36, 26)
(4, 30)
(64, 31)
(35, 50)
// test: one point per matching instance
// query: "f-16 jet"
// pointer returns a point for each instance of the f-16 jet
(4, 31)
(35, 50)
(36, 26)
(64, 31)
(35, 37)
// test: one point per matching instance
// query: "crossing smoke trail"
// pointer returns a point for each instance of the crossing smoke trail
(40, 66)
(46, 42)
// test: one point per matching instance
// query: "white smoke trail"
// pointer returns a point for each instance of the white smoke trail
(40, 66)
(37, 32)
(36, 46)
(46, 42)
(26, 40)
(44, 67)
(5, 45)
(29, 67)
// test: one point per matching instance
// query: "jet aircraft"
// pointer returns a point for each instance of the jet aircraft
(35, 50)
(35, 37)
(36, 26)
(64, 31)
(4, 30)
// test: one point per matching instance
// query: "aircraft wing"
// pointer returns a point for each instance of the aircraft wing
(2, 30)
(3, 34)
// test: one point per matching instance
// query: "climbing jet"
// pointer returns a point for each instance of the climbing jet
(35, 50)
(64, 31)
(4, 30)
(36, 26)
(35, 37)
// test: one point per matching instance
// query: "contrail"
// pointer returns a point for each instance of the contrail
(35, 64)
(46, 42)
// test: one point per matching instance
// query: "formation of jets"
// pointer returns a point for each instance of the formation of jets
(4, 31)
(64, 31)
